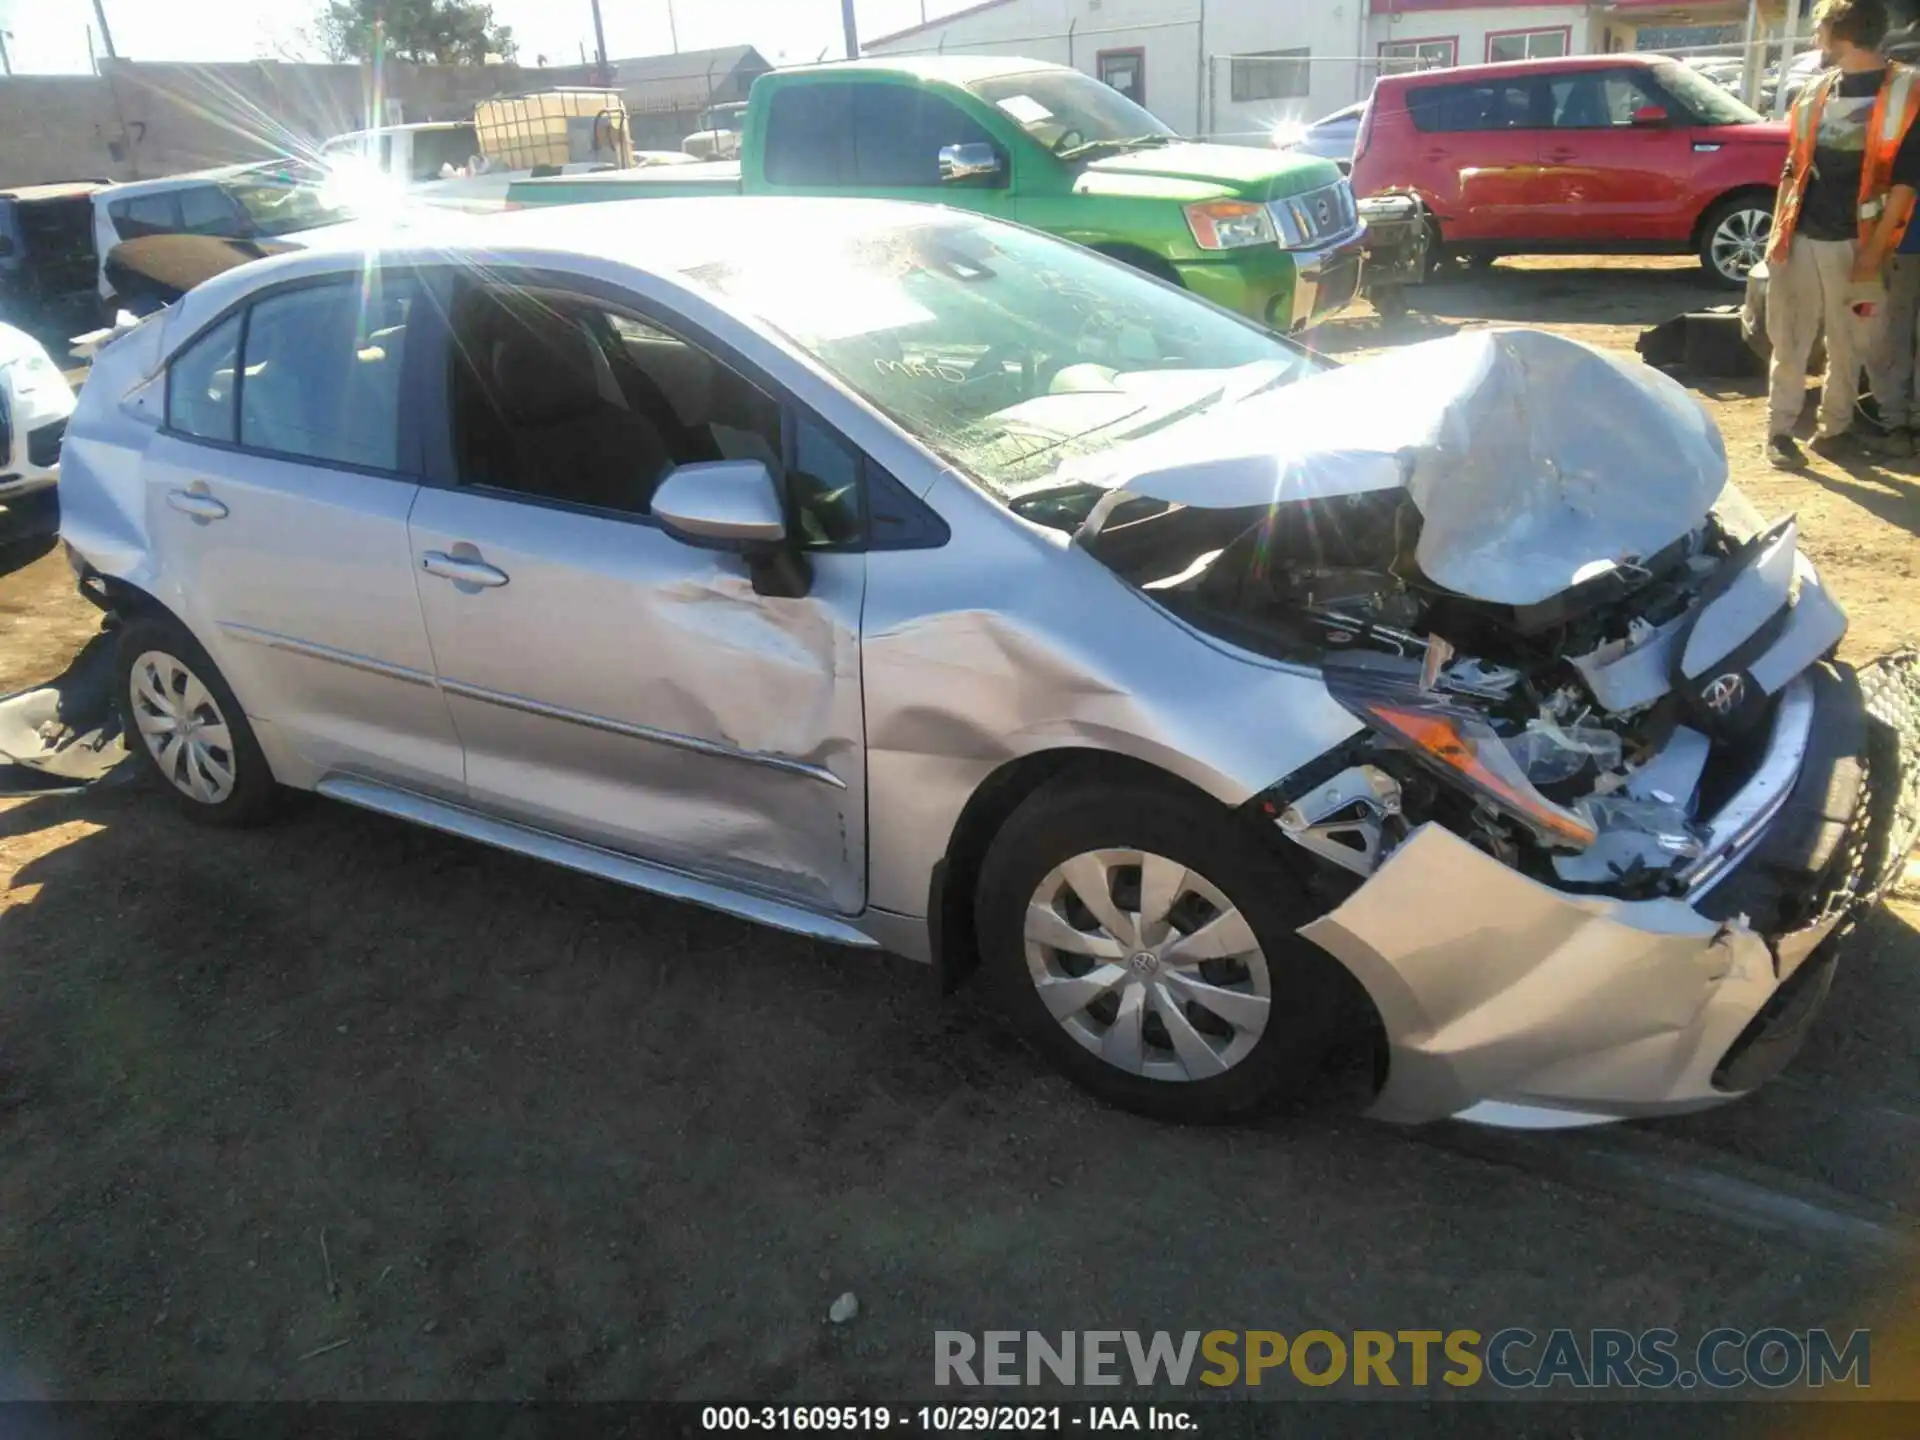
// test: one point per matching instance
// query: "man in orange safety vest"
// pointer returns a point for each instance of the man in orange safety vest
(1846, 195)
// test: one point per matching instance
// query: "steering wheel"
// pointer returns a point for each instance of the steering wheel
(991, 367)
(1068, 139)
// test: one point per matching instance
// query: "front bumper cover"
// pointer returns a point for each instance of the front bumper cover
(1516, 1003)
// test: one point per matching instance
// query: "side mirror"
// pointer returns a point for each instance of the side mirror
(1648, 116)
(735, 506)
(721, 505)
(968, 162)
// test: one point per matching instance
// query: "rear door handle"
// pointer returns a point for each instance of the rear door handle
(463, 571)
(196, 503)
(1561, 156)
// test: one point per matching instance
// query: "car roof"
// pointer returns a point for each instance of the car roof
(58, 190)
(956, 69)
(1558, 65)
(127, 189)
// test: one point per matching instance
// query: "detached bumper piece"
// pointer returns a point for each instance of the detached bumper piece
(1840, 845)
(1519, 1003)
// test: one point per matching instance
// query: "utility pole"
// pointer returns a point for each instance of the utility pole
(106, 35)
(673, 30)
(6, 60)
(853, 30)
(600, 47)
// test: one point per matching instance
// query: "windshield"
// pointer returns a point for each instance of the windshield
(281, 207)
(1064, 109)
(1006, 352)
(1709, 104)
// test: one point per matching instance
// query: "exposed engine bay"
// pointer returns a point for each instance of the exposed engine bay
(1577, 714)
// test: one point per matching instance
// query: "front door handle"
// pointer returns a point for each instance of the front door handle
(462, 570)
(196, 503)
(1560, 157)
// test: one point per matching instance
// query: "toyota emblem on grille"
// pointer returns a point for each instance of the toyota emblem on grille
(1724, 694)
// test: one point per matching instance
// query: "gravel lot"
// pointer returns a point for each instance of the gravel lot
(348, 1109)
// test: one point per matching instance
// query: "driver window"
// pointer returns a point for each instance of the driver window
(561, 398)
(900, 130)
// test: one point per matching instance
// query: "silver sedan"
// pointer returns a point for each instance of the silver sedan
(913, 581)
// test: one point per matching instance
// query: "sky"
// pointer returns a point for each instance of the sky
(50, 36)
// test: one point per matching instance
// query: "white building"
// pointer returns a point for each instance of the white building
(1236, 69)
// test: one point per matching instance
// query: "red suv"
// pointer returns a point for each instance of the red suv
(1628, 154)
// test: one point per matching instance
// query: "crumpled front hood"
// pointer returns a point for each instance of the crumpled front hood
(1534, 460)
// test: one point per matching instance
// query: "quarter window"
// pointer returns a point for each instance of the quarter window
(323, 366)
(201, 384)
(1490, 105)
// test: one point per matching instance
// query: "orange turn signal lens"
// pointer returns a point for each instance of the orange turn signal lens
(1483, 762)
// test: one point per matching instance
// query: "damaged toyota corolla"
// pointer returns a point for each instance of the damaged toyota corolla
(910, 580)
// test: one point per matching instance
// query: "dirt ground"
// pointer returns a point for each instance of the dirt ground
(348, 1109)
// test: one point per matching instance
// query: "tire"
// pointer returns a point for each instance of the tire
(1390, 302)
(220, 777)
(1733, 239)
(1279, 1004)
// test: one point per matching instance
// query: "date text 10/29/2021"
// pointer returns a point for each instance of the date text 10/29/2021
(951, 1419)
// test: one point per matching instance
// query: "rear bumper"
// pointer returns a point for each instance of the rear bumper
(1517, 1003)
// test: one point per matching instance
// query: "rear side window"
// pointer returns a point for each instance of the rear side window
(900, 130)
(146, 215)
(1485, 105)
(209, 210)
(201, 384)
(810, 135)
(323, 367)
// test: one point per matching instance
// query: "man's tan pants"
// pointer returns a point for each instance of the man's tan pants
(1806, 293)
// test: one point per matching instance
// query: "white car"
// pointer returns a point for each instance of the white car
(35, 401)
(235, 202)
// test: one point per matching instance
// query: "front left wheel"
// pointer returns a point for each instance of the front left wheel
(1145, 945)
(186, 729)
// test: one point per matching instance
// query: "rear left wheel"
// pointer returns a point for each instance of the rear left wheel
(187, 730)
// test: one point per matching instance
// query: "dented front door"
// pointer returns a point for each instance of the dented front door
(613, 685)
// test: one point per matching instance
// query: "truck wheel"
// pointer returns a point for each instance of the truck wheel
(1389, 302)
(1733, 238)
(1146, 947)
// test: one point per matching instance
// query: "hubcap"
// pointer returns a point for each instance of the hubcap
(182, 726)
(1148, 965)
(1740, 242)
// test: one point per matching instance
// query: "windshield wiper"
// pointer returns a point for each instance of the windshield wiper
(1138, 142)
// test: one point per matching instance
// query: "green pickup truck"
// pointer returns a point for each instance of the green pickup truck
(1271, 234)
